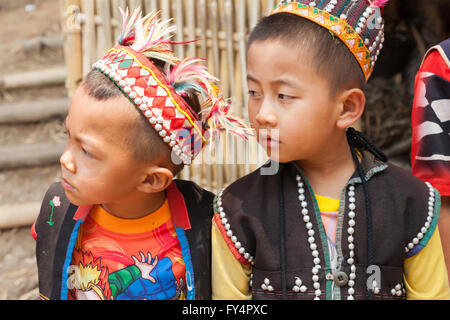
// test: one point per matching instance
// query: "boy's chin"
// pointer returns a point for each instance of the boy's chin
(77, 201)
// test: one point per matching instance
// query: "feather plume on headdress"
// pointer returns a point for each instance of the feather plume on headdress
(148, 35)
(190, 75)
(378, 3)
(151, 37)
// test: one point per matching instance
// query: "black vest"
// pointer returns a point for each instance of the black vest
(52, 241)
(248, 212)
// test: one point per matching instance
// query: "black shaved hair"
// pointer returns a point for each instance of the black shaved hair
(144, 141)
(330, 56)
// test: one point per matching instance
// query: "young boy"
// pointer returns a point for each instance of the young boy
(336, 221)
(430, 150)
(118, 226)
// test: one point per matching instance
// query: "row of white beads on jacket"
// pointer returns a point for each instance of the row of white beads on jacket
(425, 228)
(226, 225)
(311, 240)
(351, 245)
(143, 105)
(398, 290)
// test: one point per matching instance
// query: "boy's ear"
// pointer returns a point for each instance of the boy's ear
(155, 179)
(353, 102)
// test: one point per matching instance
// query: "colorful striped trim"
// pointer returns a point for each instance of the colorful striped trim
(68, 260)
(186, 253)
(427, 231)
(221, 222)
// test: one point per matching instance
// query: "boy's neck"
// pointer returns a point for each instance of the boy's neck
(330, 170)
(137, 207)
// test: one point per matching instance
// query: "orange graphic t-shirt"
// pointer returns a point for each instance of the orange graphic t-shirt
(127, 259)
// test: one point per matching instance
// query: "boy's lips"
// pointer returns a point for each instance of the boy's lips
(269, 142)
(67, 185)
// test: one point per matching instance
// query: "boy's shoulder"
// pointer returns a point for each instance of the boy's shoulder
(54, 205)
(193, 193)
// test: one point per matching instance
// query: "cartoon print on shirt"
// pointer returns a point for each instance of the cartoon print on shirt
(146, 278)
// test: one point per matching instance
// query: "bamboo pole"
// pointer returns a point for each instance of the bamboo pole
(105, 32)
(33, 111)
(36, 78)
(19, 215)
(30, 155)
(89, 39)
(72, 43)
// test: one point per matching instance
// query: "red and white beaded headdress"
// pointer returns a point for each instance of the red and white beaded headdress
(160, 96)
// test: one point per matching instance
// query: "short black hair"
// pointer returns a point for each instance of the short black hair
(332, 58)
(144, 141)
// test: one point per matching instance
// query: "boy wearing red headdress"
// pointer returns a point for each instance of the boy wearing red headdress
(118, 226)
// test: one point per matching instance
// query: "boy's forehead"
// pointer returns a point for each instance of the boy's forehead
(272, 58)
(112, 117)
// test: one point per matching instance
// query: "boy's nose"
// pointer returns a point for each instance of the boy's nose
(66, 161)
(267, 116)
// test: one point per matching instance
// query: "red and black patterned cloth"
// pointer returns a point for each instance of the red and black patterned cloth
(430, 152)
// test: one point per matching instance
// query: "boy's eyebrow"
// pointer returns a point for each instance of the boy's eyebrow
(250, 78)
(286, 82)
(84, 140)
(280, 81)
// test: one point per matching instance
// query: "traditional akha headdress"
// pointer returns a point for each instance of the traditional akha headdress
(160, 96)
(358, 23)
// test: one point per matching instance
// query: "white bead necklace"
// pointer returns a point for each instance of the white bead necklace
(312, 241)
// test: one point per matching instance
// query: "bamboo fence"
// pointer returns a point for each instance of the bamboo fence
(221, 28)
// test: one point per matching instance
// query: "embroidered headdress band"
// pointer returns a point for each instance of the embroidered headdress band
(358, 23)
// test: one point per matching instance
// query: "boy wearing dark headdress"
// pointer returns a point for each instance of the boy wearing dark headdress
(118, 227)
(336, 221)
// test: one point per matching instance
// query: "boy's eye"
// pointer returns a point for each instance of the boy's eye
(252, 93)
(86, 153)
(284, 97)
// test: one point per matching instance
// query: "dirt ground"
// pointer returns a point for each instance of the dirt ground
(18, 273)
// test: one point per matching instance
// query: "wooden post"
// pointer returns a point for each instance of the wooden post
(72, 43)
